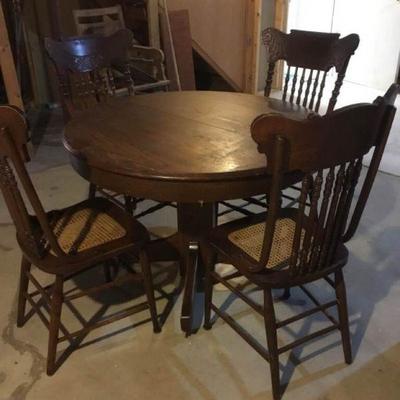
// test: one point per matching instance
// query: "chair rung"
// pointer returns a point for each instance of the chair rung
(113, 318)
(38, 310)
(236, 208)
(239, 294)
(150, 210)
(320, 308)
(37, 292)
(330, 281)
(317, 303)
(233, 275)
(99, 288)
(242, 332)
(257, 202)
(39, 288)
(307, 338)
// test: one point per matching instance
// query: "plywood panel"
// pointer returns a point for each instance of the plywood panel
(219, 30)
(182, 40)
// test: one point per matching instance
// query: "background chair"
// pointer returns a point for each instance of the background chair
(85, 69)
(84, 72)
(146, 63)
(65, 243)
(294, 246)
(309, 58)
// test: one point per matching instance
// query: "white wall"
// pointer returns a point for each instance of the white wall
(375, 64)
(377, 22)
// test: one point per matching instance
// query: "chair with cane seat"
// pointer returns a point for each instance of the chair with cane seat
(65, 243)
(291, 247)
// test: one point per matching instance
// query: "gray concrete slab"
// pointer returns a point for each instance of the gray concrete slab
(133, 363)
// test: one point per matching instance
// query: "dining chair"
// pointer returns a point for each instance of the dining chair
(84, 67)
(146, 63)
(291, 247)
(310, 58)
(64, 244)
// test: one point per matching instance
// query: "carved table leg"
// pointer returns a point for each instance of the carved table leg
(194, 221)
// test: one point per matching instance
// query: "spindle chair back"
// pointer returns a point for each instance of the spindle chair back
(309, 57)
(84, 67)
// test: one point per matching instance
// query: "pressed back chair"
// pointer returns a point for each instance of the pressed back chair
(86, 73)
(84, 67)
(309, 56)
(146, 63)
(85, 76)
(65, 243)
(288, 247)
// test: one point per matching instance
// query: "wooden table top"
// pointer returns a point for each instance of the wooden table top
(174, 146)
(174, 135)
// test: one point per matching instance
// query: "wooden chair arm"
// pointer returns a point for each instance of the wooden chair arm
(148, 56)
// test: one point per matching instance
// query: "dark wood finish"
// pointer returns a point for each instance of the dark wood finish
(194, 221)
(84, 67)
(86, 77)
(190, 147)
(39, 237)
(177, 146)
(328, 152)
(309, 57)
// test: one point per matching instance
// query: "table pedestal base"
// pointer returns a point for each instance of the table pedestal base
(194, 221)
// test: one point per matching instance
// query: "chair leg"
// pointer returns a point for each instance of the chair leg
(272, 340)
(340, 289)
(54, 326)
(108, 272)
(148, 285)
(286, 294)
(130, 204)
(92, 191)
(209, 264)
(23, 291)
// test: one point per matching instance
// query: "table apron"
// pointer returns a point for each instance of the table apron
(170, 190)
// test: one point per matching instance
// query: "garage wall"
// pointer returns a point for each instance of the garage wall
(218, 28)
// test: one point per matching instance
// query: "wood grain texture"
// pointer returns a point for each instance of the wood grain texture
(174, 139)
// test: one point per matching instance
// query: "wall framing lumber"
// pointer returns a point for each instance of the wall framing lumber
(153, 20)
(280, 22)
(8, 65)
(252, 44)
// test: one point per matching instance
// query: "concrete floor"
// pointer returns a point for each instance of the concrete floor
(125, 362)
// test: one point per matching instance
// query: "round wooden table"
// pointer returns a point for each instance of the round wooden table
(192, 148)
